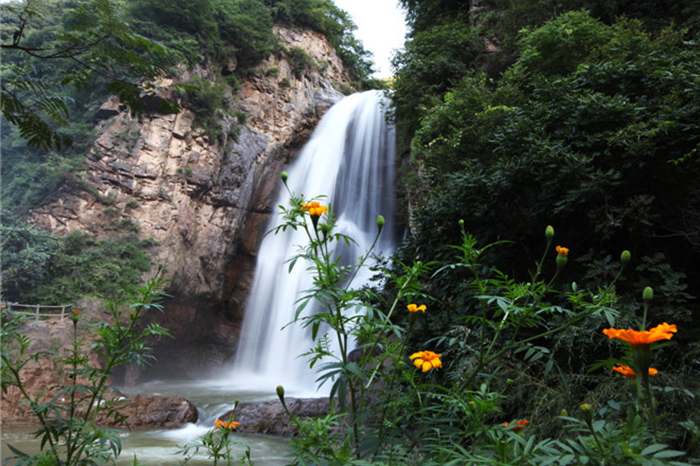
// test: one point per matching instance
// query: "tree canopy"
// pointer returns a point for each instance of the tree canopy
(588, 123)
(88, 43)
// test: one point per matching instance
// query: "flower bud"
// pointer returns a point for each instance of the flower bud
(280, 392)
(284, 175)
(380, 222)
(461, 223)
(564, 413)
(648, 294)
(562, 257)
(625, 257)
(561, 261)
(586, 413)
(549, 232)
(75, 316)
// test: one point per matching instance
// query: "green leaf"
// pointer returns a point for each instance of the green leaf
(669, 454)
(653, 449)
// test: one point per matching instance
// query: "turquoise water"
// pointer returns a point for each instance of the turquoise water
(159, 447)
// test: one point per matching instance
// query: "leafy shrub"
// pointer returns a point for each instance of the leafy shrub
(300, 61)
(44, 268)
(66, 412)
(414, 394)
(206, 100)
(233, 83)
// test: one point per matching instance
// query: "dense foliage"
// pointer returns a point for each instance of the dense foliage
(492, 380)
(41, 267)
(592, 128)
(499, 22)
(578, 114)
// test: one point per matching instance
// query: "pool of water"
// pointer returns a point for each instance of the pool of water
(160, 447)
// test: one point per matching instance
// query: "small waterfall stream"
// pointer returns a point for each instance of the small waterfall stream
(350, 159)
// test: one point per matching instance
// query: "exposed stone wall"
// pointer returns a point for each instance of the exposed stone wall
(206, 203)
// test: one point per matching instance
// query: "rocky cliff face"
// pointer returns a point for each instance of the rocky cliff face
(206, 203)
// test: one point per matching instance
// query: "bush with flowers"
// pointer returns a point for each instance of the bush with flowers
(448, 389)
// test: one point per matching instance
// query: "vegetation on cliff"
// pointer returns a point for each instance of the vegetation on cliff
(62, 59)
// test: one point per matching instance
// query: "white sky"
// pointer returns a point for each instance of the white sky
(381, 27)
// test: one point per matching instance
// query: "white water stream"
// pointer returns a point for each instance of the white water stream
(350, 159)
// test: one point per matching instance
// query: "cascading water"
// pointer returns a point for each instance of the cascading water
(350, 159)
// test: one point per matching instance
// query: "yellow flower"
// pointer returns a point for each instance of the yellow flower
(226, 425)
(562, 251)
(426, 360)
(628, 372)
(413, 308)
(645, 337)
(314, 208)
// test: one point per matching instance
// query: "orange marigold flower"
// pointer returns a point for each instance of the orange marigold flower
(518, 425)
(629, 372)
(645, 337)
(562, 251)
(226, 425)
(426, 360)
(314, 208)
(413, 308)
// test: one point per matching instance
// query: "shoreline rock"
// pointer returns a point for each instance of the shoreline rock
(141, 412)
(270, 417)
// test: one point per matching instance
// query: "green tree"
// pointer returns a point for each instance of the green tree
(247, 25)
(89, 41)
(601, 142)
(434, 60)
(45, 268)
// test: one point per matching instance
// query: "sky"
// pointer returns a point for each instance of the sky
(381, 27)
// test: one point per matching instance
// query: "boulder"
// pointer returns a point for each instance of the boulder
(154, 412)
(271, 418)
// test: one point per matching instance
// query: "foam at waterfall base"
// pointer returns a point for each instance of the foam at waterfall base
(299, 387)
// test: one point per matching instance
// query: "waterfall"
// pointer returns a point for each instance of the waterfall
(350, 159)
